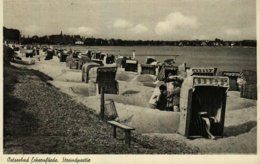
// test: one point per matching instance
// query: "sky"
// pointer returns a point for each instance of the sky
(135, 19)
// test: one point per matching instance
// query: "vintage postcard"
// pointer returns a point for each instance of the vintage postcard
(133, 81)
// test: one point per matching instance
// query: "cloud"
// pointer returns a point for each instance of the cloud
(138, 29)
(232, 31)
(129, 26)
(81, 30)
(175, 22)
(121, 23)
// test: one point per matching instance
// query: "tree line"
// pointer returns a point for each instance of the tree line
(72, 39)
(61, 39)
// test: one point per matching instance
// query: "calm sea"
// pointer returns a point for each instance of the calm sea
(223, 58)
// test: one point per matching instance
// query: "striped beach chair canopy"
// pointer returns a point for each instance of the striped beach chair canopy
(204, 71)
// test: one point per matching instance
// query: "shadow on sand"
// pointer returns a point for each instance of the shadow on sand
(239, 129)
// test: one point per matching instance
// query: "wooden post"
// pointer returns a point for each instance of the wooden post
(114, 131)
(223, 111)
(102, 104)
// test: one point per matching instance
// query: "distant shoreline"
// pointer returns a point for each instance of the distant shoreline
(15, 36)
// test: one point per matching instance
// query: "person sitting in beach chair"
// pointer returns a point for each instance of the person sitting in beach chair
(206, 123)
(162, 98)
(173, 97)
(201, 120)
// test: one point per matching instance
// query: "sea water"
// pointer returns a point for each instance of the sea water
(223, 58)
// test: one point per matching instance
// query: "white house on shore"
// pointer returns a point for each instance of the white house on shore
(79, 42)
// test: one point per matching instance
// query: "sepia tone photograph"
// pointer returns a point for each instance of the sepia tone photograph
(129, 77)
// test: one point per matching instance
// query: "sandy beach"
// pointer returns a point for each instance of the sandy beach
(133, 109)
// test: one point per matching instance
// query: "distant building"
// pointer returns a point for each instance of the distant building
(203, 44)
(79, 42)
